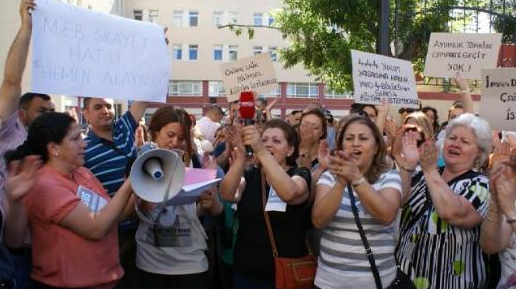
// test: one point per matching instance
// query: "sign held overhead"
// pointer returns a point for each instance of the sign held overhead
(463, 53)
(376, 77)
(254, 73)
(90, 53)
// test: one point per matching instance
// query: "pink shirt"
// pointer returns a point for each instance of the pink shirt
(61, 258)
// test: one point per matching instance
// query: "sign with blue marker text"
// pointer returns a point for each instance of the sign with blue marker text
(89, 53)
(463, 53)
(498, 100)
(377, 77)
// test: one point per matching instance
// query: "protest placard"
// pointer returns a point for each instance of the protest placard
(463, 53)
(498, 101)
(254, 73)
(81, 52)
(376, 77)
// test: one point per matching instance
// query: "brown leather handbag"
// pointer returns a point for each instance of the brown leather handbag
(291, 273)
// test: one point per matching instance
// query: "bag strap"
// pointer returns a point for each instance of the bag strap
(369, 252)
(112, 145)
(267, 221)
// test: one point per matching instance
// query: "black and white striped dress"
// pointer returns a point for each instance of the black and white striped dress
(436, 254)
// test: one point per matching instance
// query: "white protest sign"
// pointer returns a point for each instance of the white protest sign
(498, 101)
(82, 52)
(464, 53)
(376, 77)
(254, 73)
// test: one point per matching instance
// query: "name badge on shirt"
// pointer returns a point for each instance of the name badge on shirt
(274, 203)
(94, 201)
(177, 235)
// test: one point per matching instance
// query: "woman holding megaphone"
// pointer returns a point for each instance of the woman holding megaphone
(72, 221)
(283, 195)
(171, 252)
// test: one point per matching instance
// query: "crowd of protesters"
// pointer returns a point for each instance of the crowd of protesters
(436, 201)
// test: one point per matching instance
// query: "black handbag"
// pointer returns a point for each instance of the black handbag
(402, 281)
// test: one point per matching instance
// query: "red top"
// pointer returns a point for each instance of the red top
(60, 257)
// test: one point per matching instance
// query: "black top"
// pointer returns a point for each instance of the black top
(253, 252)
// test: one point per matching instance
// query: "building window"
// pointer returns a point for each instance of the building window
(233, 17)
(271, 20)
(329, 93)
(217, 52)
(153, 15)
(218, 18)
(257, 19)
(177, 18)
(276, 92)
(257, 50)
(215, 88)
(138, 15)
(193, 18)
(184, 88)
(273, 51)
(310, 90)
(192, 52)
(233, 52)
(177, 51)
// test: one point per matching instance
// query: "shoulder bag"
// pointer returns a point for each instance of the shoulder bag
(402, 281)
(290, 273)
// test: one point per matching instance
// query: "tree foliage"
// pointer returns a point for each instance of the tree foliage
(322, 32)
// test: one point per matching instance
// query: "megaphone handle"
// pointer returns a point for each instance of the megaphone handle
(162, 205)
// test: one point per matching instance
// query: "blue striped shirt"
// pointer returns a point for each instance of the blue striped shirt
(107, 164)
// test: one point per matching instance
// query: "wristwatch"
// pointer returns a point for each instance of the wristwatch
(360, 181)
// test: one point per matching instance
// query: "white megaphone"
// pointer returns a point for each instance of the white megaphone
(157, 175)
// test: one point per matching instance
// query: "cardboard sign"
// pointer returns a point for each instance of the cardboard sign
(376, 77)
(498, 102)
(88, 53)
(463, 53)
(253, 73)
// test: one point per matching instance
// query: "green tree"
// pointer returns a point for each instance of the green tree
(321, 32)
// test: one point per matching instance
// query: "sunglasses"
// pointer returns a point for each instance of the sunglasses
(420, 141)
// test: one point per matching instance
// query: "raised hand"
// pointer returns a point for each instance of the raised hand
(323, 154)
(384, 107)
(21, 176)
(410, 152)
(505, 188)
(251, 136)
(343, 167)
(26, 8)
(500, 155)
(428, 156)
(462, 83)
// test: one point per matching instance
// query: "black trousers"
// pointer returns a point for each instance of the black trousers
(188, 281)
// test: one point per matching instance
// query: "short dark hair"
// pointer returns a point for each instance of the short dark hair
(26, 99)
(290, 135)
(46, 128)
(86, 102)
(356, 108)
(295, 111)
